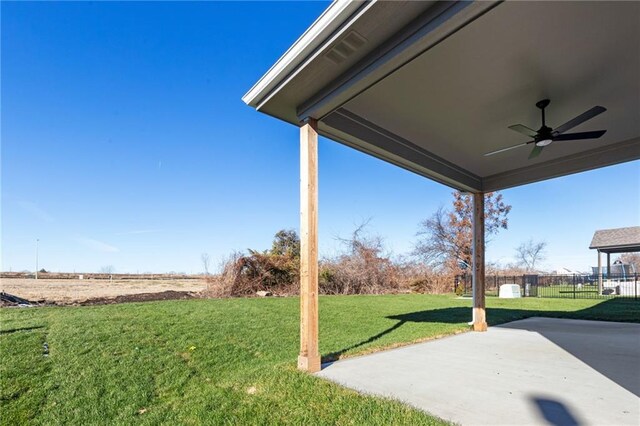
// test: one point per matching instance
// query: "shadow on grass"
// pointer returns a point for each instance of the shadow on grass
(581, 343)
(14, 330)
(334, 356)
(620, 310)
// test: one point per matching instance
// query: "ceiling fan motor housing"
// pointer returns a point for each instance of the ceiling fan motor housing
(544, 134)
(543, 103)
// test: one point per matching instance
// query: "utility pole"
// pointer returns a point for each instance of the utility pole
(37, 240)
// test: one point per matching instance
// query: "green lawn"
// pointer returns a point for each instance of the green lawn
(225, 361)
(568, 291)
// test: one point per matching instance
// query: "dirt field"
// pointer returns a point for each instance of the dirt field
(73, 290)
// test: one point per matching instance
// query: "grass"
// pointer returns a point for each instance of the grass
(226, 361)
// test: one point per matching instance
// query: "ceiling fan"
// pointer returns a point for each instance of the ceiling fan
(546, 135)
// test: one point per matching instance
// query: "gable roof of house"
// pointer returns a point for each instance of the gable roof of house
(617, 240)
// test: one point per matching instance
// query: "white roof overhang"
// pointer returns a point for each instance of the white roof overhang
(435, 85)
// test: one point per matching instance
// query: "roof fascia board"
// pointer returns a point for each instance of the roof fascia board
(628, 248)
(426, 31)
(401, 151)
(331, 20)
(607, 155)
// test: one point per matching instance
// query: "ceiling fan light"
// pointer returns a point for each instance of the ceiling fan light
(544, 142)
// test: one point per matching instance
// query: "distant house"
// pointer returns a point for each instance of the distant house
(618, 240)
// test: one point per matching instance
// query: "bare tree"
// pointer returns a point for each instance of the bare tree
(107, 269)
(631, 259)
(529, 253)
(206, 261)
(445, 239)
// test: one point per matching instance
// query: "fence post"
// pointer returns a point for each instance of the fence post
(635, 285)
(574, 286)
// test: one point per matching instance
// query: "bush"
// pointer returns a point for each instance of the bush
(421, 278)
(359, 274)
(276, 270)
(363, 268)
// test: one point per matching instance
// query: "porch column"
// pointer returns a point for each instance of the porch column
(608, 265)
(599, 272)
(479, 316)
(309, 358)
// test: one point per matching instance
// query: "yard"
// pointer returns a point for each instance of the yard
(226, 361)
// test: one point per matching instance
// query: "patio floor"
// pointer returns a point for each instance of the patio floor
(534, 371)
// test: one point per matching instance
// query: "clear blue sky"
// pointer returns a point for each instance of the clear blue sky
(125, 143)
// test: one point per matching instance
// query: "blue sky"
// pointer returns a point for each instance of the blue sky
(125, 143)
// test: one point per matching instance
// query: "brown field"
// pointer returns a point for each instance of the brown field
(75, 290)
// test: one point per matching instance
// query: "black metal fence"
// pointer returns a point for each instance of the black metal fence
(574, 286)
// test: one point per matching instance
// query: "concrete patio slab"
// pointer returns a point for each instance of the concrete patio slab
(529, 372)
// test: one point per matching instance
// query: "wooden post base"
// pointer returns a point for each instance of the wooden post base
(479, 326)
(479, 320)
(309, 364)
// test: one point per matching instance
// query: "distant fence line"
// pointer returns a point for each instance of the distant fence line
(568, 286)
(99, 276)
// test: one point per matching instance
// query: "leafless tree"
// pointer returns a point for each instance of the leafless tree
(529, 253)
(363, 267)
(631, 259)
(206, 261)
(107, 269)
(444, 239)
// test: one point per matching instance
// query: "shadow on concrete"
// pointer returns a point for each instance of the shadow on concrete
(619, 366)
(622, 343)
(555, 413)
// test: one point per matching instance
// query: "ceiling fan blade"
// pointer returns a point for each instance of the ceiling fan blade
(577, 136)
(524, 130)
(506, 149)
(535, 151)
(596, 110)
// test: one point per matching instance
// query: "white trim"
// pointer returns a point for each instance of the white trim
(334, 16)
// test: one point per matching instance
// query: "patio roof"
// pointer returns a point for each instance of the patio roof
(619, 240)
(432, 86)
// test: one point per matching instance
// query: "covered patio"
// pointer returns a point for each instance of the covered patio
(532, 372)
(434, 87)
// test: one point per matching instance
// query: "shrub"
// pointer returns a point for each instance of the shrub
(363, 268)
(276, 270)
(421, 278)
